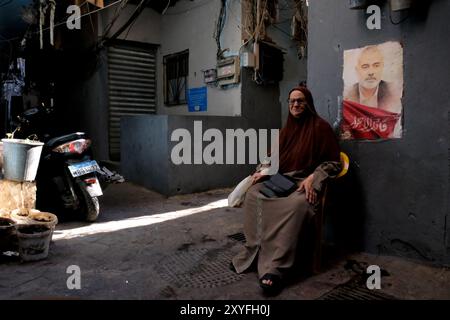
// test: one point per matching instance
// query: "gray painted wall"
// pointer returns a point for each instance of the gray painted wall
(146, 29)
(146, 157)
(402, 185)
(96, 118)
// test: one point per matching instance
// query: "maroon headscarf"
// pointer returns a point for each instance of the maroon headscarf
(307, 141)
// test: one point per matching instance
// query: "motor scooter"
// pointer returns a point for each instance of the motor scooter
(69, 180)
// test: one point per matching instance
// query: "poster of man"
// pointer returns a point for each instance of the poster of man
(373, 89)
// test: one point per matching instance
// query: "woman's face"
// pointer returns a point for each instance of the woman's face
(297, 103)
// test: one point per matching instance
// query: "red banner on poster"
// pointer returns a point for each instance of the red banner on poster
(362, 122)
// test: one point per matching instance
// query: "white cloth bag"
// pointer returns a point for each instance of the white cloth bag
(236, 197)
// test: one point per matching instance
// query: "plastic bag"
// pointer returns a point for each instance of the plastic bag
(236, 197)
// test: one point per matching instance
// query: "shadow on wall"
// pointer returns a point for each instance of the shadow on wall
(420, 9)
(418, 12)
(345, 214)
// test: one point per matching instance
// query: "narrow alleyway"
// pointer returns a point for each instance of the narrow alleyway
(145, 246)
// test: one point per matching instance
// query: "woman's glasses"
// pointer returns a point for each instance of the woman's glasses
(299, 101)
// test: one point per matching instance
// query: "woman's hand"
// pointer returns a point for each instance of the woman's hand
(306, 185)
(257, 176)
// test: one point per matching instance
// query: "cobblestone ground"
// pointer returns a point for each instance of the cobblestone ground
(146, 246)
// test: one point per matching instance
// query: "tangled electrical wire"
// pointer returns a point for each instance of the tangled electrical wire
(219, 28)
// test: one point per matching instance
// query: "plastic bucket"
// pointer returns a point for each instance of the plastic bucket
(21, 159)
(21, 215)
(34, 241)
(7, 234)
(43, 218)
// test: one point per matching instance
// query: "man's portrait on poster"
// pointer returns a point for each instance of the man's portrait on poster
(373, 87)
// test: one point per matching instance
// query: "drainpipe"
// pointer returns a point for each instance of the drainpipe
(337, 122)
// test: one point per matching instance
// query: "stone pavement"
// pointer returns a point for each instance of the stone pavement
(146, 246)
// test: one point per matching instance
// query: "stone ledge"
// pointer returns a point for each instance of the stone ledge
(15, 195)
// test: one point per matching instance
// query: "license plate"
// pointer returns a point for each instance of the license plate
(82, 168)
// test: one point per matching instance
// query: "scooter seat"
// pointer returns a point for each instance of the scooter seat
(63, 139)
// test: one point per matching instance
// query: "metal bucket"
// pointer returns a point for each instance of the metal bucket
(21, 159)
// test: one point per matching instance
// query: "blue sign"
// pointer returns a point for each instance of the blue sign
(197, 99)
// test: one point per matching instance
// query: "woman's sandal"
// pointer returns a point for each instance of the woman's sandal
(273, 288)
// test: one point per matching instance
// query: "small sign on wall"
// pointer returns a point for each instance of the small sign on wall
(197, 99)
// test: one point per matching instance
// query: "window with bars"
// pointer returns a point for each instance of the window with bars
(176, 71)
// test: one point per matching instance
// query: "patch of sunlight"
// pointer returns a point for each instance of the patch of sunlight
(111, 226)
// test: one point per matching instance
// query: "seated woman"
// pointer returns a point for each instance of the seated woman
(308, 153)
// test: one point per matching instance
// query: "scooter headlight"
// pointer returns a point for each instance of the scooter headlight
(76, 146)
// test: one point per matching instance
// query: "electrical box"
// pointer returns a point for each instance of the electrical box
(210, 76)
(228, 71)
(248, 60)
(270, 69)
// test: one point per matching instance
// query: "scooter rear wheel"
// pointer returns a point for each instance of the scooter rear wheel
(90, 205)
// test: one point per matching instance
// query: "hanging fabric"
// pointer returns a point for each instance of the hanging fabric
(44, 7)
(52, 4)
(42, 11)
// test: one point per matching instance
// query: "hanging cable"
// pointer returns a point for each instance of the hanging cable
(114, 18)
(219, 27)
(140, 7)
(167, 7)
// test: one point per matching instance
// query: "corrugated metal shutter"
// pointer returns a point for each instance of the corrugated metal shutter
(132, 87)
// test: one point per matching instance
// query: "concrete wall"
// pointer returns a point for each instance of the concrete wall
(191, 25)
(86, 98)
(149, 143)
(146, 153)
(402, 185)
(295, 69)
(93, 97)
(146, 29)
